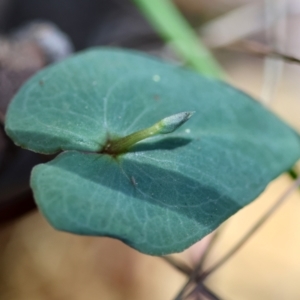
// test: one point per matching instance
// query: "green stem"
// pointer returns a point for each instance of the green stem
(164, 126)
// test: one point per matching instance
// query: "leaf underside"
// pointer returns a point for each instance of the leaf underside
(167, 192)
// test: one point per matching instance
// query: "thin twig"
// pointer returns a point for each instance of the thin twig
(178, 265)
(193, 277)
(205, 291)
(261, 50)
(195, 272)
(212, 243)
(182, 267)
(250, 233)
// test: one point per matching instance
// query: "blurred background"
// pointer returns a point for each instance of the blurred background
(255, 43)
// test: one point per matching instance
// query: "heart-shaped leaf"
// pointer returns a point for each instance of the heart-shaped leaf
(166, 192)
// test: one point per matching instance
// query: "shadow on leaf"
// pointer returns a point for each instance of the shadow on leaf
(98, 185)
(170, 143)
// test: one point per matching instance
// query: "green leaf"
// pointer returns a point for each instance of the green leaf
(168, 191)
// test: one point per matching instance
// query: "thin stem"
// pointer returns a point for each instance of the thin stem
(205, 291)
(178, 265)
(184, 268)
(164, 126)
(195, 273)
(123, 144)
(260, 50)
(250, 233)
(193, 277)
(186, 286)
(209, 248)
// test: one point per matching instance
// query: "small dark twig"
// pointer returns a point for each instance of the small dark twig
(195, 272)
(212, 243)
(178, 265)
(261, 50)
(205, 291)
(250, 233)
(193, 278)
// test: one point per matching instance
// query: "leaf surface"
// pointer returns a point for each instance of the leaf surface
(167, 192)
